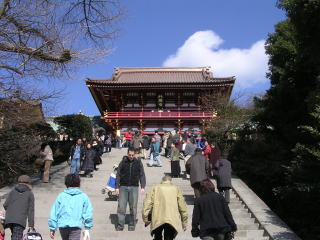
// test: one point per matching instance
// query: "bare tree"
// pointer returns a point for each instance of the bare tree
(45, 39)
(41, 41)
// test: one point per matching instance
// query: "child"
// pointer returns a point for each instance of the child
(71, 210)
(19, 207)
(175, 160)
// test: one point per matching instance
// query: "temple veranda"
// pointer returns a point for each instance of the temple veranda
(249, 227)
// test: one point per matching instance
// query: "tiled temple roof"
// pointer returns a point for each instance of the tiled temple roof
(160, 75)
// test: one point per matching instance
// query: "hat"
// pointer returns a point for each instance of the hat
(24, 179)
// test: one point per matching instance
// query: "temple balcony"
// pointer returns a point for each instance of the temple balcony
(192, 115)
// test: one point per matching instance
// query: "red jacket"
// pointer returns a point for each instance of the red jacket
(128, 136)
(207, 152)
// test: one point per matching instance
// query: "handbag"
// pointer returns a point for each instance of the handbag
(39, 161)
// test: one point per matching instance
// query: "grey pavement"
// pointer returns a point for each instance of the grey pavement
(105, 211)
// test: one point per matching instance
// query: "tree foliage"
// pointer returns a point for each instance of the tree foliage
(19, 147)
(75, 126)
(282, 162)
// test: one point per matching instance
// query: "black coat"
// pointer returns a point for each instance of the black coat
(19, 206)
(212, 214)
(97, 158)
(145, 142)
(224, 173)
(130, 173)
(88, 163)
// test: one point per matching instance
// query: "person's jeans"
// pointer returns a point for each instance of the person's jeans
(156, 158)
(70, 233)
(108, 148)
(168, 232)
(75, 166)
(16, 231)
(127, 194)
(128, 143)
(218, 236)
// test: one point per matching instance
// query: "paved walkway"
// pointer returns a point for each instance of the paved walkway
(105, 211)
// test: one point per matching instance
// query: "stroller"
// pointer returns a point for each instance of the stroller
(111, 186)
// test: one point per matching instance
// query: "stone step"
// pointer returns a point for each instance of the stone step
(105, 211)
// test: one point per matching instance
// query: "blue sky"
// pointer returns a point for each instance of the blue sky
(227, 35)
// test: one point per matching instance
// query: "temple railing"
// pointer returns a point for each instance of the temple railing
(160, 115)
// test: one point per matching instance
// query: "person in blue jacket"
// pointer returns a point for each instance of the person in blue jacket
(71, 211)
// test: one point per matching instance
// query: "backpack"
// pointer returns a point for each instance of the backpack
(32, 236)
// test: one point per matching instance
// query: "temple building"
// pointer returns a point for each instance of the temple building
(160, 99)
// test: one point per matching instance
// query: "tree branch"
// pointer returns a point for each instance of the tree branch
(36, 53)
(25, 29)
(11, 68)
(4, 7)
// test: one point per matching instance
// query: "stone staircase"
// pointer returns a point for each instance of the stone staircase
(105, 211)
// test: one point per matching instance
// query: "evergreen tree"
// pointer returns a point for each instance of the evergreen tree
(288, 122)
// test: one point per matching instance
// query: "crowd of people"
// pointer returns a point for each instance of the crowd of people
(164, 206)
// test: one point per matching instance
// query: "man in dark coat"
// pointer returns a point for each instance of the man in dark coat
(19, 207)
(224, 177)
(197, 166)
(130, 173)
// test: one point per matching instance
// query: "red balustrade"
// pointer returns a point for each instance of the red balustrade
(159, 115)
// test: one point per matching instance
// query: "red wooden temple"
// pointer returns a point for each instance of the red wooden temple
(162, 99)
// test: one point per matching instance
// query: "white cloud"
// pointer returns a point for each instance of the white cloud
(203, 49)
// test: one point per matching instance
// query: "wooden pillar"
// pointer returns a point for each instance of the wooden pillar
(117, 124)
(179, 124)
(141, 125)
(203, 125)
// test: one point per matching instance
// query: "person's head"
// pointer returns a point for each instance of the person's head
(43, 145)
(188, 140)
(79, 141)
(206, 186)
(198, 150)
(136, 133)
(173, 145)
(88, 146)
(166, 178)
(84, 139)
(131, 153)
(72, 181)
(24, 179)
(206, 143)
(94, 142)
(156, 132)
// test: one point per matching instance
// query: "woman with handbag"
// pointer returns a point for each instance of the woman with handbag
(47, 156)
(212, 214)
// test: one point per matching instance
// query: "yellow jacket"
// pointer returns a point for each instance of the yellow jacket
(167, 205)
